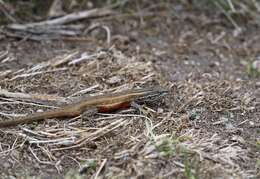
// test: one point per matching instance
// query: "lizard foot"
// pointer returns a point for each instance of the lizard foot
(85, 116)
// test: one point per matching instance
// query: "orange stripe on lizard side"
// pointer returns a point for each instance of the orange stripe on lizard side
(114, 107)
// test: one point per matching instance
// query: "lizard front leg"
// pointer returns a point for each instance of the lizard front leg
(139, 108)
(86, 114)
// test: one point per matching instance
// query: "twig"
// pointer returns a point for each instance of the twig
(224, 120)
(5, 10)
(41, 97)
(120, 115)
(92, 136)
(15, 141)
(3, 54)
(48, 153)
(61, 141)
(84, 90)
(106, 28)
(85, 56)
(65, 19)
(256, 4)
(10, 115)
(54, 28)
(63, 60)
(41, 162)
(57, 61)
(233, 22)
(100, 168)
(31, 132)
(10, 148)
(25, 103)
(5, 73)
(37, 73)
(108, 34)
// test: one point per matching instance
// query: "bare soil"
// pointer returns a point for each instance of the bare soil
(207, 127)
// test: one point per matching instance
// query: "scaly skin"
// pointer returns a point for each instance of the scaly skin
(102, 103)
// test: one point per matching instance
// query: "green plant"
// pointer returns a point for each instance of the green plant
(252, 70)
(188, 173)
(165, 147)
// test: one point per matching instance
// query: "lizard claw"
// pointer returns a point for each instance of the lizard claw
(141, 109)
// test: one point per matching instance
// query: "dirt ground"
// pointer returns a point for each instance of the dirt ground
(207, 127)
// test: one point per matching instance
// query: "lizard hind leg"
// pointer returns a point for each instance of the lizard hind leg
(85, 115)
(139, 108)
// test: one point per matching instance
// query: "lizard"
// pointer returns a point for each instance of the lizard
(101, 103)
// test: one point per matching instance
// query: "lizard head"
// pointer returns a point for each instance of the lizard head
(153, 95)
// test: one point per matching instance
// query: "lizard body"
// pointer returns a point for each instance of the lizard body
(102, 103)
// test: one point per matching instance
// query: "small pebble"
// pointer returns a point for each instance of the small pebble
(256, 65)
(160, 110)
(238, 139)
(251, 123)
(114, 80)
(229, 126)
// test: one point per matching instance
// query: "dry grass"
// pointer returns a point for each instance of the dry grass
(205, 128)
(161, 144)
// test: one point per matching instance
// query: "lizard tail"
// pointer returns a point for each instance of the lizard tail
(37, 117)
